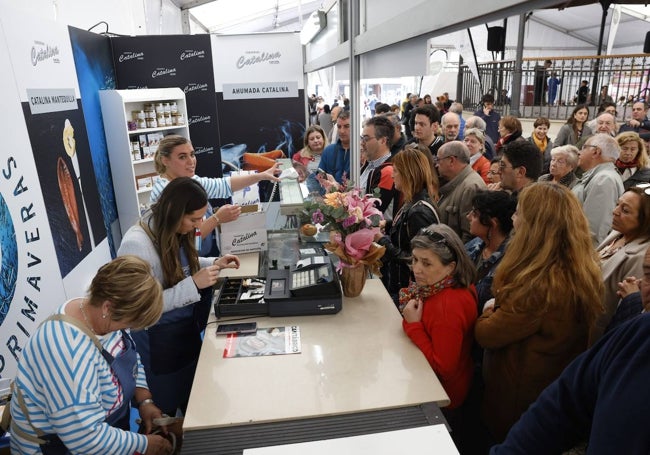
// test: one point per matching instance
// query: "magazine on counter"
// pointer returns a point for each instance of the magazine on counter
(266, 341)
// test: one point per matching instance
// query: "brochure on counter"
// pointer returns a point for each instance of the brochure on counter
(266, 341)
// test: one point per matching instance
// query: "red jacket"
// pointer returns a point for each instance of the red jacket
(482, 166)
(445, 336)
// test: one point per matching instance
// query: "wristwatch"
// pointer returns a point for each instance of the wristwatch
(145, 401)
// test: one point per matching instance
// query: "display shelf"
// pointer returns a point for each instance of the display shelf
(153, 130)
(117, 111)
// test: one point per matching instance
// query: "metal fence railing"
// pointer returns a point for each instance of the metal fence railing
(627, 78)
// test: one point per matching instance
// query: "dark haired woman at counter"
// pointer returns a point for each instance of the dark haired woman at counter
(165, 238)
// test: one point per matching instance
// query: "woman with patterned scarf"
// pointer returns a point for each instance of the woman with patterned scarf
(509, 131)
(632, 163)
(440, 309)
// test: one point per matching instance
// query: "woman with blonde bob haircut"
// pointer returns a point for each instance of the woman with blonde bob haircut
(418, 185)
(79, 372)
(548, 291)
(632, 163)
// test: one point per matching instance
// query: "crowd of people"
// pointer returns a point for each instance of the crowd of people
(517, 265)
(555, 234)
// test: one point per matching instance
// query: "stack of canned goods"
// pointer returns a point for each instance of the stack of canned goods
(155, 115)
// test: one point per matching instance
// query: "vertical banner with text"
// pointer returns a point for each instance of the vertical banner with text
(260, 93)
(52, 231)
(183, 61)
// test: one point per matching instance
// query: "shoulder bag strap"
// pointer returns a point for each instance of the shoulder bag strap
(79, 325)
(425, 203)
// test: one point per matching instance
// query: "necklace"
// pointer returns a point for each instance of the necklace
(83, 313)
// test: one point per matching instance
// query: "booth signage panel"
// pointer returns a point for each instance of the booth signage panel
(260, 90)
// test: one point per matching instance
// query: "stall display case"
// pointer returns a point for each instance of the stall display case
(135, 121)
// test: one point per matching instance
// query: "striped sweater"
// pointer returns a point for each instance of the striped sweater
(69, 389)
(215, 187)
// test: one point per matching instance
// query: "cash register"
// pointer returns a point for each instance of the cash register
(309, 287)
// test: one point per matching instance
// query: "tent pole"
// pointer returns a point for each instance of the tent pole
(355, 86)
(515, 93)
(594, 87)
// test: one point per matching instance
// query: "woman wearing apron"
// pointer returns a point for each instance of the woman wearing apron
(79, 372)
(165, 237)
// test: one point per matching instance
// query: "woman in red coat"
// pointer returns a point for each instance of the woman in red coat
(440, 309)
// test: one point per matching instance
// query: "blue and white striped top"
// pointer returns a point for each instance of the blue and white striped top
(69, 389)
(215, 187)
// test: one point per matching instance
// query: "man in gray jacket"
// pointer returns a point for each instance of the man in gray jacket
(462, 182)
(601, 185)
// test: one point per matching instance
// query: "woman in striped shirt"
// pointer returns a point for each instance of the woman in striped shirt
(175, 158)
(79, 372)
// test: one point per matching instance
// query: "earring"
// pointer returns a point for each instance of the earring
(104, 316)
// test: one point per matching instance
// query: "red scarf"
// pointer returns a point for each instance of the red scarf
(621, 165)
(416, 292)
(501, 142)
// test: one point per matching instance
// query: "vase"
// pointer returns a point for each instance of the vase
(353, 278)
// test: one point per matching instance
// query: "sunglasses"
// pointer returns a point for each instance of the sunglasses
(438, 239)
(645, 187)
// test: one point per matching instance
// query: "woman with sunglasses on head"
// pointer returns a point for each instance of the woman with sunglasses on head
(632, 163)
(440, 311)
(548, 291)
(165, 237)
(622, 251)
(414, 179)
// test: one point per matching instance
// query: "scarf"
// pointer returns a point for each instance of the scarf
(541, 145)
(417, 292)
(501, 142)
(621, 165)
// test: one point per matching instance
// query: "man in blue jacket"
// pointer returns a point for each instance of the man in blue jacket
(335, 160)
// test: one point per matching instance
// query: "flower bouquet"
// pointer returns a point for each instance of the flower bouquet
(353, 220)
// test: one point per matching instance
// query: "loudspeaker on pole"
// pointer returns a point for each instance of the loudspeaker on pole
(496, 40)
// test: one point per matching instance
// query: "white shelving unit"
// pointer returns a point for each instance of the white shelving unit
(117, 108)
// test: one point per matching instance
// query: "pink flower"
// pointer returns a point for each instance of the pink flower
(358, 243)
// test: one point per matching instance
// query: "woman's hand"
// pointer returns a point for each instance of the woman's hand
(158, 445)
(628, 286)
(489, 305)
(148, 412)
(270, 173)
(206, 277)
(227, 261)
(412, 312)
(328, 182)
(228, 212)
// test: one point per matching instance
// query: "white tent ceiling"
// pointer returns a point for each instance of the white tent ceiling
(580, 23)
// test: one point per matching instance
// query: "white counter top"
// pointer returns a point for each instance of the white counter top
(356, 360)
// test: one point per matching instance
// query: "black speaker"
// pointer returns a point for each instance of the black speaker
(646, 45)
(496, 41)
